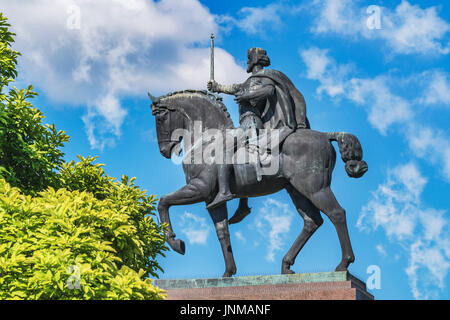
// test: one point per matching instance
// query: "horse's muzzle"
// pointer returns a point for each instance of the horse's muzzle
(167, 148)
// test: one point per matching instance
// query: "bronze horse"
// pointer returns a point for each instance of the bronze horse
(307, 159)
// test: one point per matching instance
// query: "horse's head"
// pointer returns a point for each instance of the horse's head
(168, 119)
(178, 113)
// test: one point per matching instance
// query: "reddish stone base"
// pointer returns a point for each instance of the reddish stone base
(351, 289)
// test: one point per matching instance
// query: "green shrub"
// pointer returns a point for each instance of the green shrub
(69, 245)
(146, 242)
(67, 230)
(8, 57)
(29, 150)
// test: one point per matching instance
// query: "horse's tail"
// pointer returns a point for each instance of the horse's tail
(351, 153)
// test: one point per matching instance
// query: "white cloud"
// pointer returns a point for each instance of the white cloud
(381, 250)
(384, 108)
(317, 61)
(337, 16)
(431, 144)
(253, 18)
(410, 29)
(240, 236)
(428, 267)
(396, 207)
(195, 228)
(437, 88)
(273, 221)
(259, 20)
(407, 29)
(324, 69)
(122, 49)
(394, 203)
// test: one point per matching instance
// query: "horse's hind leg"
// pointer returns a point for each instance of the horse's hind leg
(327, 203)
(312, 221)
(219, 216)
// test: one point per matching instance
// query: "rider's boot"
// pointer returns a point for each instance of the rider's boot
(242, 211)
(224, 193)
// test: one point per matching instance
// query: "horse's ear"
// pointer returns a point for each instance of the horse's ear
(154, 100)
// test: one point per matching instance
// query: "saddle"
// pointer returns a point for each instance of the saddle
(260, 158)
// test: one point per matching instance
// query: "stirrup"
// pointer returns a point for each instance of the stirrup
(219, 200)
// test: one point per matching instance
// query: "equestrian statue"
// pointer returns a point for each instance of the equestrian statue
(280, 151)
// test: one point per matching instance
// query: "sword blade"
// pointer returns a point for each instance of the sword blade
(211, 70)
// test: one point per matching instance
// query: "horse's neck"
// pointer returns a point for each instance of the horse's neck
(201, 119)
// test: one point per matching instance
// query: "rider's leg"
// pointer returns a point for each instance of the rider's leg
(250, 123)
(224, 194)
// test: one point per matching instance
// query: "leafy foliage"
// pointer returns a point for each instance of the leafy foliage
(146, 240)
(69, 245)
(8, 57)
(67, 230)
(29, 150)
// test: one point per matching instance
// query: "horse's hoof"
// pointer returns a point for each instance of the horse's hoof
(340, 268)
(228, 274)
(178, 246)
(286, 267)
(344, 264)
(287, 271)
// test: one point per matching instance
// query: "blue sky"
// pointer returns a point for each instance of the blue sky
(92, 63)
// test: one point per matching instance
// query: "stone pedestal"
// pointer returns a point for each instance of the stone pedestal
(301, 286)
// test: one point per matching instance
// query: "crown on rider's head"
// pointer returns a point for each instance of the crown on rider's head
(257, 56)
(256, 50)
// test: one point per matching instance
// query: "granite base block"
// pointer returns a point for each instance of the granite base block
(300, 286)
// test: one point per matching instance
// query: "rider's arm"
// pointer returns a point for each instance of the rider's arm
(266, 90)
(229, 89)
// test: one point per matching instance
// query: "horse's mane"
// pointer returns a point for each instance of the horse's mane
(215, 100)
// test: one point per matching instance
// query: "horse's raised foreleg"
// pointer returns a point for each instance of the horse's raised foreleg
(189, 194)
(312, 221)
(219, 216)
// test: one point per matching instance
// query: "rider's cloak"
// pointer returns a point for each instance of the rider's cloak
(285, 108)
